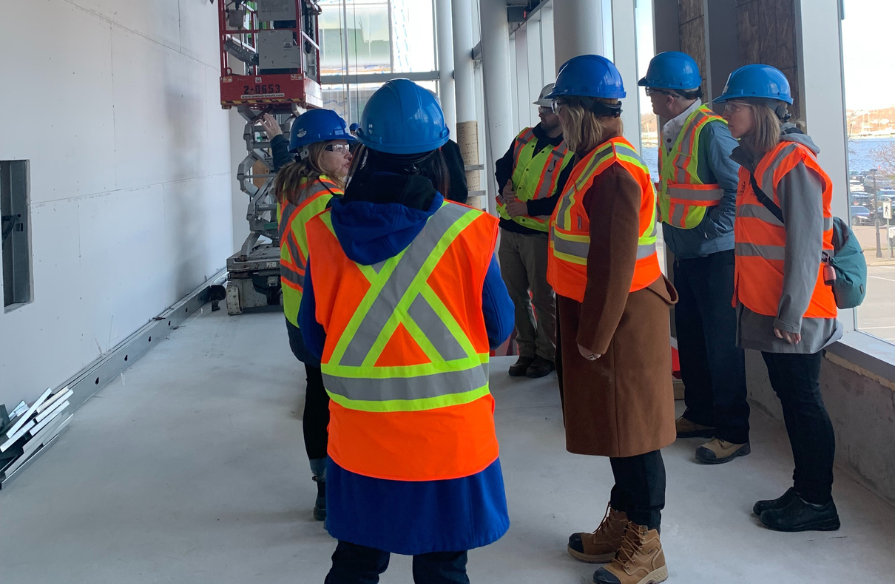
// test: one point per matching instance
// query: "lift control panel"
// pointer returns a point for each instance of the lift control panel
(270, 54)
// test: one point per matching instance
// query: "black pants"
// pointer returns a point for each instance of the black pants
(796, 380)
(639, 488)
(357, 564)
(316, 415)
(713, 369)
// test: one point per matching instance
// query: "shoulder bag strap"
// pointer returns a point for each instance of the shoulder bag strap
(765, 200)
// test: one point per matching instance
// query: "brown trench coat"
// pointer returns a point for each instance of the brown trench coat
(622, 404)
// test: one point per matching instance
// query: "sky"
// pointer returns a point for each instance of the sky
(867, 53)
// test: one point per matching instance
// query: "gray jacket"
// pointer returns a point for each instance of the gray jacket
(800, 194)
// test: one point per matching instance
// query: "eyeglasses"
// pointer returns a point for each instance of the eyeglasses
(732, 107)
(557, 104)
(545, 110)
(338, 148)
(650, 91)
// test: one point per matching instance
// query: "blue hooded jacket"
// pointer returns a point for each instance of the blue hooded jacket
(406, 517)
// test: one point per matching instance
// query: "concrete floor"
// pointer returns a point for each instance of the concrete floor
(191, 469)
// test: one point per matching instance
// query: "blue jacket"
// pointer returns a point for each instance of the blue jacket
(715, 232)
(406, 517)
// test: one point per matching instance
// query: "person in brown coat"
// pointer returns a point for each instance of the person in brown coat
(614, 353)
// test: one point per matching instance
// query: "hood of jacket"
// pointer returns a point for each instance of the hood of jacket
(381, 214)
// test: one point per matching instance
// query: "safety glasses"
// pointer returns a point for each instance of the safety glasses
(651, 92)
(732, 107)
(338, 148)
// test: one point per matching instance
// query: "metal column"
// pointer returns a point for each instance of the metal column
(578, 26)
(624, 39)
(464, 89)
(444, 34)
(498, 92)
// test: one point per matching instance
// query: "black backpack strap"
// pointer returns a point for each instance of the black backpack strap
(765, 200)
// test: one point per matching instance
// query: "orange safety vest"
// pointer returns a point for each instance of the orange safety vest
(761, 238)
(405, 361)
(570, 224)
(294, 240)
(535, 176)
(683, 198)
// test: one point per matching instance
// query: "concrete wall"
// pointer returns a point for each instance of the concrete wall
(862, 408)
(116, 105)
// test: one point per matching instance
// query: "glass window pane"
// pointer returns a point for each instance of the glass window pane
(332, 60)
(649, 123)
(870, 122)
(369, 49)
(413, 33)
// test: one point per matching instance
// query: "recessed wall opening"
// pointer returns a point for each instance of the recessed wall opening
(15, 230)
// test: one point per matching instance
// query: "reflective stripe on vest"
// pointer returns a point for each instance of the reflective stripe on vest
(760, 246)
(535, 176)
(406, 355)
(294, 240)
(570, 225)
(683, 198)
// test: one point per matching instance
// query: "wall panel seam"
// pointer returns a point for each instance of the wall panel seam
(127, 189)
(178, 50)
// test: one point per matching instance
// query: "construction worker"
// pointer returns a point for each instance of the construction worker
(697, 203)
(304, 188)
(784, 225)
(614, 342)
(528, 174)
(403, 301)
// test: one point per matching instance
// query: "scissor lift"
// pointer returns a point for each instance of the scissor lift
(270, 63)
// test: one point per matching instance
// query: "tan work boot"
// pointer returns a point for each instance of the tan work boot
(687, 429)
(600, 546)
(717, 451)
(640, 559)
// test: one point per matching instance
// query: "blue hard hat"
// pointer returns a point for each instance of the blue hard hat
(588, 76)
(761, 81)
(672, 70)
(402, 118)
(317, 125)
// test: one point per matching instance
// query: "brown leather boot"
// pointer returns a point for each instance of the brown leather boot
(600, 546)
(640, 559)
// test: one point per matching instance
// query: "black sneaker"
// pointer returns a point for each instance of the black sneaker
(800, 515)
(320, 503)
(540, 367)
(778, 503)
(519, 368)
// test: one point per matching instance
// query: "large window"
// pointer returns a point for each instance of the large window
(870, 124)
(377, 36)
(361, 38)
(649, 123)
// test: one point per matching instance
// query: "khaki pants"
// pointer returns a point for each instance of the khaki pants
(523, 264)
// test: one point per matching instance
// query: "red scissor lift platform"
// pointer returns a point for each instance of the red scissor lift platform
(275, 49)
(270, 63)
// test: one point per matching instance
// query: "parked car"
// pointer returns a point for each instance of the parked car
(860, 215)
(880, 183)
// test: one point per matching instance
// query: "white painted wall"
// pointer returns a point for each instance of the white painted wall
(116, 105)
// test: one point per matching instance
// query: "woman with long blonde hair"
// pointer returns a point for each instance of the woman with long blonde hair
(613, 338)
(304, 188)
(785, 309)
